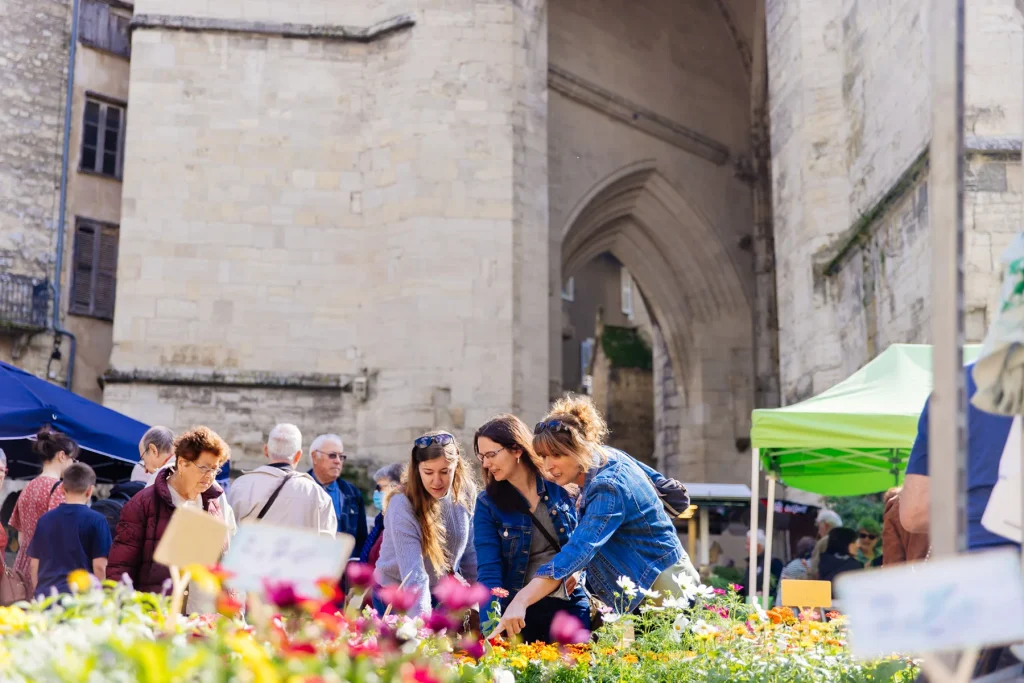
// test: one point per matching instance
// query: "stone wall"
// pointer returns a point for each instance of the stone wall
(323, 207)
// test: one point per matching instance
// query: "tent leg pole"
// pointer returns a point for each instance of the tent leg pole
(691, 539)
(704, 520)
(769, 533)
(755, 504)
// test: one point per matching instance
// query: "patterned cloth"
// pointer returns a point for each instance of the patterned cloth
(34, 502)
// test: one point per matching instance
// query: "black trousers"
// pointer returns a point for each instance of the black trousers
(540, 614)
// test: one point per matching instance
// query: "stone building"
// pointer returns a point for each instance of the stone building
(360, 217)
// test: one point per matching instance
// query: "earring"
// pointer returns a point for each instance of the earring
(517, 459)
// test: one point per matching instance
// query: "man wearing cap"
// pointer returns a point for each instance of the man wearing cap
(328, 454)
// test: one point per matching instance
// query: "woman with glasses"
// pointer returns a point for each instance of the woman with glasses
(199, 454)
(521, 522)
(428, 530)
(868, 551)
(623, 528)
(56, 451)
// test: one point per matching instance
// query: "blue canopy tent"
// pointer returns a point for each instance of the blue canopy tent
(109, 441)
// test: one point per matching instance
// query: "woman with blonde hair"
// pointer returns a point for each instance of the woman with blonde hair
(623, 529)
(428, 526)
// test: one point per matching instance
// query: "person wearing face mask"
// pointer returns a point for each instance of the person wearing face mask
(389, 480)
(57, 452)
(428, 530)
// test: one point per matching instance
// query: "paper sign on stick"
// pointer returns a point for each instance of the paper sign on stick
(192, 537)
(1002, 514)
(262, 551)
(806, 593)
(937, 606)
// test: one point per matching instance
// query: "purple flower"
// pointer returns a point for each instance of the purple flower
(359, 575)
(281, 593)
(439, 621)
(472, 647)
(568, 630)
(400, 599)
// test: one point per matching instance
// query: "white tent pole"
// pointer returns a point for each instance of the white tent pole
(755, 503)
(769, 532)
(704, 519)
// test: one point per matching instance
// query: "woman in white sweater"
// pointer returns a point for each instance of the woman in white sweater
(428, 527)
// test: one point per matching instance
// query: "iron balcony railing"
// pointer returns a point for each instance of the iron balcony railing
(24, 302)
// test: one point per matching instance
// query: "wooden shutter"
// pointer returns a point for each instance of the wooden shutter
(93, 22)
(82, 278)
(106, 274)
(120, 43)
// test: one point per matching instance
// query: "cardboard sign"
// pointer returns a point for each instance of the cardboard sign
(261, 552)
(192, 537)
(1002, 515)
(806, 593)
(969, 601)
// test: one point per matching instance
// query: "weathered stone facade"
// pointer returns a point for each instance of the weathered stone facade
(850, 122)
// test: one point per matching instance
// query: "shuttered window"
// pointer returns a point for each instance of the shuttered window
(102, 138)
(94, 280)
(105, 28)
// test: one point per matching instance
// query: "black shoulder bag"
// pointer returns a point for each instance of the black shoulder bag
(273, 496)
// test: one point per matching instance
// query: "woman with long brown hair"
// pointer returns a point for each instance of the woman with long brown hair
(521, 522)
(428, 526)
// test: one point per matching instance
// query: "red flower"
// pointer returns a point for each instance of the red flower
(457, 596)
(400, 599)
(440, 621)
(299, 649)
(417, 674)
(568, 630)
(499, 593)
(472, 647)
(359, 575)
(281, 593)
(228, 606)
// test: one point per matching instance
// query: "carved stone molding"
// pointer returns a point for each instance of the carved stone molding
(365, 34)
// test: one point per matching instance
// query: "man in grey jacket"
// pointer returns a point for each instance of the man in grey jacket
(276, 493)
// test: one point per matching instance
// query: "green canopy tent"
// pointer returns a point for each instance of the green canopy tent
(852, 439)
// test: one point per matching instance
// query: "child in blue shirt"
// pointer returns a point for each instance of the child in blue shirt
(70, 537)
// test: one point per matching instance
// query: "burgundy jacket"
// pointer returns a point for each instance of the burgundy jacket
(143, 521)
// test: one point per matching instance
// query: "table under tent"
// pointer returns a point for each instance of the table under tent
(852, 439)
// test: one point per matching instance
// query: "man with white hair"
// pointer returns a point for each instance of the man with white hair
(827, 521)
(328, 454)
(277, 494)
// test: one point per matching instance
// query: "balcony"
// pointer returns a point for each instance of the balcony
(24, 303)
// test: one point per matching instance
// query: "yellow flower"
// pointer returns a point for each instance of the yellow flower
(79, 581)
(630, 659)
(204, 579)
(12, 619)
(519, 662)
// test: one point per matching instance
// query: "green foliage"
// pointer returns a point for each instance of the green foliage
(625, 348)
(855, 508)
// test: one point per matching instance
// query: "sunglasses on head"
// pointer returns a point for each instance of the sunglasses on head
(550, 426)
(868, 536)
(442, 439)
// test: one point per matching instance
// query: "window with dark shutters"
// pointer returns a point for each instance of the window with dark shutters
(103, 27)
(94, 280)
(102, 136)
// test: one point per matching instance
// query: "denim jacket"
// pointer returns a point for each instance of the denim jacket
(503, 538)
(623, 531)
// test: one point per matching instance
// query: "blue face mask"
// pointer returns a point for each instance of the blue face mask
(378, 500)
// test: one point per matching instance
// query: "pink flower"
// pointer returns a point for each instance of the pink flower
(400, 599)
(472, 647)
(568, 630)
(499, 593)
(720, 591)
(281, 593)
(439, 621)
(457, 596)
(359, 575)
(417, 674)
(736, 587)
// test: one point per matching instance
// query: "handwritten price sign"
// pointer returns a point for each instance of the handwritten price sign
(968, 601)
(262, 552)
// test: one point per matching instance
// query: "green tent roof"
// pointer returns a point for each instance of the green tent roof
(854, 438)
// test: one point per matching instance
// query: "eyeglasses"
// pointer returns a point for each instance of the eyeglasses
(442, 439)
(487, 456)
(333, 456)
(551, 426)
(206, 471)
(868, 536)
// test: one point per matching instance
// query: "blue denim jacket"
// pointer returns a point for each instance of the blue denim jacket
(623, 531)
(502, 539)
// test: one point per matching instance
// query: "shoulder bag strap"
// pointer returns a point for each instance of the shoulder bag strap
(52, 491)
(551, 539)
(273, 496)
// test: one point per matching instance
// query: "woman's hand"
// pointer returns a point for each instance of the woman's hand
(514, 619)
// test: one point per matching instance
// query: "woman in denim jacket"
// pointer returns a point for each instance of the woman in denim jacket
(623, 528)
(521, 522)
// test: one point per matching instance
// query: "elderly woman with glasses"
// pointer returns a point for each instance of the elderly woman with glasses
(199, 454)
(623, 531)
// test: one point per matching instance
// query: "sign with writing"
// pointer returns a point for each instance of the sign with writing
(937, 606)
(261, 552)
(192, 537)
(806, 593)
(1002, 514)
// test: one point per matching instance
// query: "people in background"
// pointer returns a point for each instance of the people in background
(826, 521)
(623, 527)
(428, 527)
(868, 550)
(198, 453)
(797, 568)
(898, 544)
(57, 452)
(70, 537)
(389, 480)
(521, 523)
(328, 454)
(838, 557)
(276, 493)
(155, 450)
(3, 530)
(775, 566)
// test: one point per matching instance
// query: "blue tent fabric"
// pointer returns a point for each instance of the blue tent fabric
(27, 403)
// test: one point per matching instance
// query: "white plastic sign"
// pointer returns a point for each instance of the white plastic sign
(945, 605)
(265, 552)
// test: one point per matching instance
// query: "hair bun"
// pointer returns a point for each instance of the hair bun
(587, 417)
